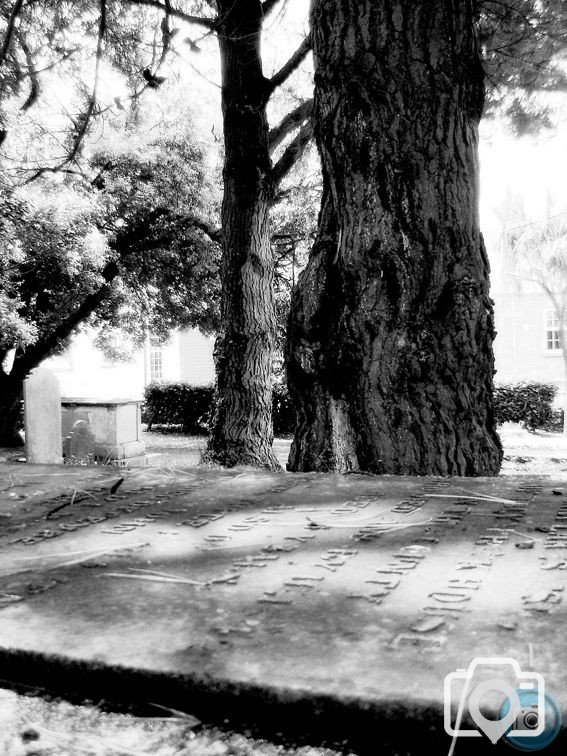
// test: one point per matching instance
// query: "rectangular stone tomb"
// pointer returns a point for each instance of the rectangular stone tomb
(109, 430)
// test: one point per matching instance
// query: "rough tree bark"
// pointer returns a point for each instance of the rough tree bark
(242, 425)
(390, 357)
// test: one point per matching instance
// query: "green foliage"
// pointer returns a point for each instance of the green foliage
(15, 328)
(66, 74)
(191, 407)
(556, 422)
(154, 191)
(178, 404)
(528, 403)
(523, 47)
(51, 255)
(131, 235)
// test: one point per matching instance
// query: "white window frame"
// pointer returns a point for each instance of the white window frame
(155, 359)
(551, 341)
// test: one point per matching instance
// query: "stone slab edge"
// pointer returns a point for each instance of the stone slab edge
(282, 715)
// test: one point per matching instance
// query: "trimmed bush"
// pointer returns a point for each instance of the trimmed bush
(556, 422)
(178, 404)
(191, 407)
(526, 403)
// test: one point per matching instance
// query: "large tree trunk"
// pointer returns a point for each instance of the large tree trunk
(242, 424)
(390, 355)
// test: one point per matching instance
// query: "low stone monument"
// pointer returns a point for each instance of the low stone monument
(42, 417)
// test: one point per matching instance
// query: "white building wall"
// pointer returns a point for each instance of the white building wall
(83, 371)
(196, 358)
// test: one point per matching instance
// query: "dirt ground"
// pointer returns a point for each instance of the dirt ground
(525, 453)
(178, 450)
(32, 726)
(539, 453)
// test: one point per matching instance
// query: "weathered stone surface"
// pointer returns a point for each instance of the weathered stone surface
(42, 417)
(340, 586)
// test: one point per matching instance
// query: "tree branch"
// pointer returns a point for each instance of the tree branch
(10, 30)
(42, 349)
(62, 59)
(268, 6)
(34, 354)
(34, 78)
(292, 64)
(292, 153)
(161, 219)
(214, 234)
(85, 117)
(289, 122)
(207, 23)
(51, 169)
(92, 103)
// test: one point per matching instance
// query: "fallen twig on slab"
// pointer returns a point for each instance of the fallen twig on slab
(232, 578)
(62, 506)
(151, 578)
(516, 532)
(189, 718)
(69, 563)
(115, 486)
(494, 499)
(165, 574)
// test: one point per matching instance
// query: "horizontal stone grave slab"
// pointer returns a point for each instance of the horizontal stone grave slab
(354, 587)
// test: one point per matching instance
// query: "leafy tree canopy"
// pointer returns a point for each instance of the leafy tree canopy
(524, 50)
(124, 247)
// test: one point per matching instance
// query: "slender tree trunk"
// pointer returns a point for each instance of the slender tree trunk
(242, 424)
(390, 357)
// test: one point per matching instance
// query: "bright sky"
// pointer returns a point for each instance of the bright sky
(533, 168)
(522, 181)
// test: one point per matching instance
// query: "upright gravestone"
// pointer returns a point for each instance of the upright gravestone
(42, 417)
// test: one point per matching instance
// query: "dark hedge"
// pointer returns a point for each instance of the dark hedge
(191, 407)
(528, 403)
